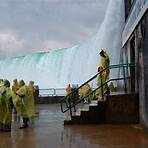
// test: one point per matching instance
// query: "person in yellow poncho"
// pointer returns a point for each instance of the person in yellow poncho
(6, 105)
(73, 97)
(68, 89)
(1, 105)
(24, 103)
(31, 86)
(31, 89)
(1, 82)
(105, 62)
(101, 79)
(84, 91)
(14, 88)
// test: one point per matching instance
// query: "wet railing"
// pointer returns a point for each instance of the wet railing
(51, 92)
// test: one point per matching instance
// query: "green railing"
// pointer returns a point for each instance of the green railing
(70, 102)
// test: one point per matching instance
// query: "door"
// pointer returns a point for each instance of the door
(132, 60)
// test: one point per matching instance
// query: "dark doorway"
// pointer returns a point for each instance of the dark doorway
(132, 60)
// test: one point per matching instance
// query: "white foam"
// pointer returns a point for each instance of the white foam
(73, 65)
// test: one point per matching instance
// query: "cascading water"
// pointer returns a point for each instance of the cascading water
(71, 65)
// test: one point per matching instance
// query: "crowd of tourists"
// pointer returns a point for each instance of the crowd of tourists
(18, 99)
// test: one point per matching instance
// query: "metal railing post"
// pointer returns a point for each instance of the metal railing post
(69, 101)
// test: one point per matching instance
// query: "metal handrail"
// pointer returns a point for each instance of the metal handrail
(90, 93)
(52, 92)
(109, 67)
(66, 99)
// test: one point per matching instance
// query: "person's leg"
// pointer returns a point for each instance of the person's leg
(25, 122)
(3, 127)
(107, 90)
(9, 127)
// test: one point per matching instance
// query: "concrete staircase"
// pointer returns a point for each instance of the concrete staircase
(118, 108)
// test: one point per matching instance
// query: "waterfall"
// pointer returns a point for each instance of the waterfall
(70, 65)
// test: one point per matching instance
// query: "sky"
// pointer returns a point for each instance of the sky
(29, 26)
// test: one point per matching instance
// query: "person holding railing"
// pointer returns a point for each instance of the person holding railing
(72, 97)
(103, 76)
(105, 62)
(100, 81)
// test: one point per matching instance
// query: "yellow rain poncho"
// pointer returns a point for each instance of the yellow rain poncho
(5, 103)
(85, 90)
(31, 89)
(101, 80)
(15, 86)
(1, 106)
(68, 89)
(105, 63)
(1, 82)
(8, 103)
(24, 101)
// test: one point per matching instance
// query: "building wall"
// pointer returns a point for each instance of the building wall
(139, 42)
(128, 5)
(144, 27)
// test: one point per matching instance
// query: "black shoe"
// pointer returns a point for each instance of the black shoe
(24, 126)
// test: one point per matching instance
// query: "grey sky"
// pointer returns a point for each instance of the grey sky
(28, 26)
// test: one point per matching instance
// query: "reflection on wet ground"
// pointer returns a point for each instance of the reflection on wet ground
(48, 131)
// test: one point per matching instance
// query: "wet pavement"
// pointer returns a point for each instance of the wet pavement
(48, 131)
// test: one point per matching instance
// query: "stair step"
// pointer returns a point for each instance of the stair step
(94, 102)
(117, 109)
